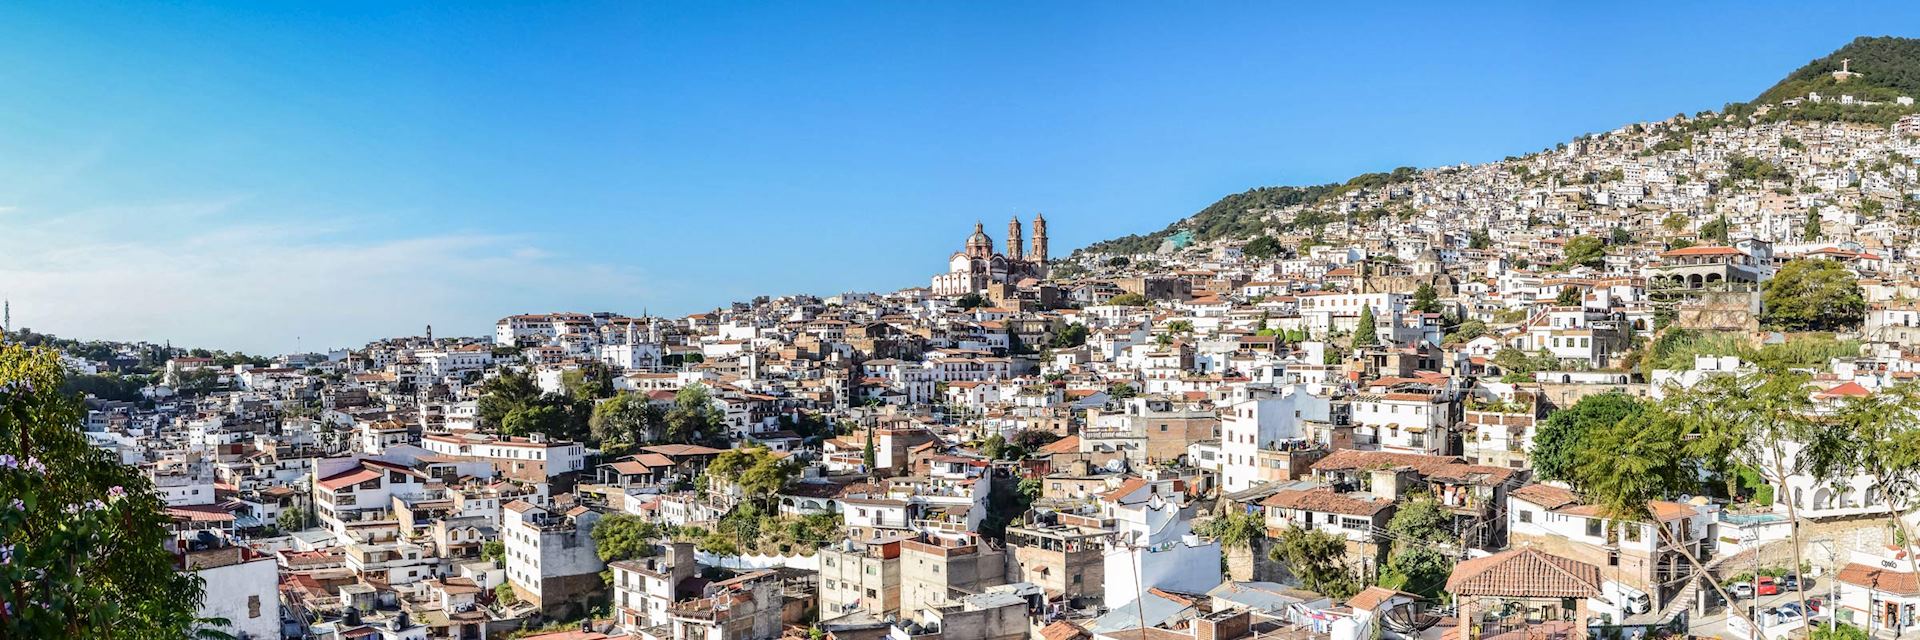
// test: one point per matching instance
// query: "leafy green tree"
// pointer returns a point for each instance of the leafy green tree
(1030, 489)
(1813, 295)
(1569, 296)
(1478, 239)
(1620, 236)
(494, 550)
(502, 395)
(626, 420)
(590, 381)
(693, 417)
(1426, 299)
(544, 419)
(291, 519)
(1366, 333)
(1262, 247)
(1872, 435)
(624, 536)
(1318, 559)
(970, 301)
(1129, 300)
(1236, 529)
(1418, 570)
(1557, 445)
(1717, 230)
(1585, 251)
(1069, 335)
(1810, 229)
(1674, 222)
(82, 540)
(1467, 330)
(1121, 391)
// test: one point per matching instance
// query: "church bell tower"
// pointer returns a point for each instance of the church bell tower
(1013, 239)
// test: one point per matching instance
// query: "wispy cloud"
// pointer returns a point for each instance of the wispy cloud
(188, 273)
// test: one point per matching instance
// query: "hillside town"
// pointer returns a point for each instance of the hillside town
(1649, 382)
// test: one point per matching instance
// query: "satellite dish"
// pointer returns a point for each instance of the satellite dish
(1408, 619)
(1116, 465)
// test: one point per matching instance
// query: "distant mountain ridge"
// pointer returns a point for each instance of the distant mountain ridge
(1887, 67)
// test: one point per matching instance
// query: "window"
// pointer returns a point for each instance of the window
(1593, 527)
(1525, 516)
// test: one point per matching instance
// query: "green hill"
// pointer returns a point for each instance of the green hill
(1889, 67)
(1241, 215)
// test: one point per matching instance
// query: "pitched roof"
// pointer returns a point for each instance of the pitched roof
(1525, 573)
(1877, 579)
(1370, 598)
(1325, 500)
(1357, 460)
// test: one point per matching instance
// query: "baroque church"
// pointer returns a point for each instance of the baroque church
(976, 267)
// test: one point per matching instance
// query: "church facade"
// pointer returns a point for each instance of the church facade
(976, 266)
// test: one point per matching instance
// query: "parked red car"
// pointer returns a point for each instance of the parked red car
(1766, 586)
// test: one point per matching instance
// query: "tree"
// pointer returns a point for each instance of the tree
(1261, 247)
(83, 535)
(1810, 229)
(1467, 330)
(1620, 236)
(1674, 222)
(291, 519)
(626, 419)
(546, 419)
(1717, 230)
(995, 447)
(1585, 251)
(1235, 529)
(970, 301)
(1426, 299)
(624, 536)
(590, 381)
(1478, 239)
(693, 417)
(1129, 300)
(1557, 445)
(1030, 489)
(502, 395)
(1318, 559)
(1121, 391)
(868, 457)
(1873, 435)
(1068, 336)
(1365, 332)
(494, 550)
(1813, 295)
(1569, 296)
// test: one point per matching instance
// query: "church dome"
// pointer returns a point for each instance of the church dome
(979, 240)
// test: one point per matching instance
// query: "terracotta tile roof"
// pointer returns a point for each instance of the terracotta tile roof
(1069, 444)
(1324, 500)
(1062, 630)
(1525, 573)
(1849, 389)
(1357, 460)
(1371, 598)
(1701, 251)
(1877, 579)
(1548, 496)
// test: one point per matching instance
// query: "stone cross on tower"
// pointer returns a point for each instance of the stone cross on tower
(1843, 65)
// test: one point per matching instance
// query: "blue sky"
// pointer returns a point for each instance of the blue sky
(270, 178)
